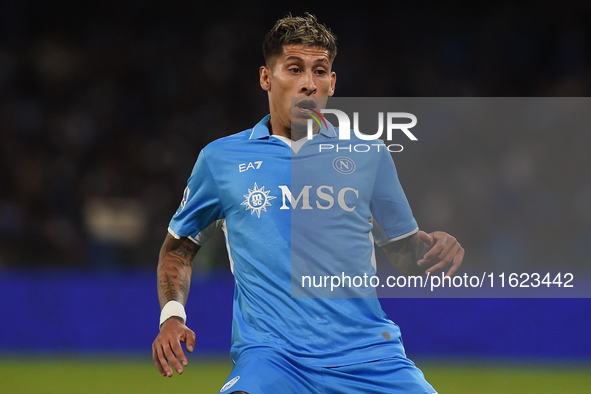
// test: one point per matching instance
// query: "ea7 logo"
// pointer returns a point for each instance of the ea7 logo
(325, 198)
(255, 165)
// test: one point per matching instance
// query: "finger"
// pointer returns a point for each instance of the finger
(162, 358)
(457, 262)
(450, 244)
(449, 258)
(437, 267)
(436, 249)
(172, 358)
(426, 263)
(440, 264)
(447, 254)
(190, 341)
(156, 359)
(426, 238)
(180, 355)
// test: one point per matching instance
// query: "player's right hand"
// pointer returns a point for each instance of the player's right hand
(167, 350)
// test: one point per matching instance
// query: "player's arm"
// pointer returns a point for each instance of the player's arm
(421, 253)
(175, 266)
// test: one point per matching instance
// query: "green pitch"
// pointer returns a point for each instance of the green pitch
(470, 378)
(133, 375)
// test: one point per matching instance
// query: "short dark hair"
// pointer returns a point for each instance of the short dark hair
(304, 30)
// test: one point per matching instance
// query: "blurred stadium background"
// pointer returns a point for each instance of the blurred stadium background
(104, 107)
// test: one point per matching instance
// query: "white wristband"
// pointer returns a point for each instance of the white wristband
(172, 308)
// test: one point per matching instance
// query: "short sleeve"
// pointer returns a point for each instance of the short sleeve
(201, 205)
(392, 215)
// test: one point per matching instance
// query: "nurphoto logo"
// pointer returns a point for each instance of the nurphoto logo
(394, 121)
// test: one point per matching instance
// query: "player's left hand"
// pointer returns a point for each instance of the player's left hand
(445, 250)
(167, 349)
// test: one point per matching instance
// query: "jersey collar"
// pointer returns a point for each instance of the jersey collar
(261, 130)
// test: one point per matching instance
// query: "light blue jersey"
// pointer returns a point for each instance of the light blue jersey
(293, 213)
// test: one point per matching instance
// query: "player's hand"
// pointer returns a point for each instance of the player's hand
(445, 250)
(167, 346)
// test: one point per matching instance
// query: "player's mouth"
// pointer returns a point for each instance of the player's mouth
(306, 106)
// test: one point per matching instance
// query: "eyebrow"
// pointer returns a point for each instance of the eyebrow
(319, 60)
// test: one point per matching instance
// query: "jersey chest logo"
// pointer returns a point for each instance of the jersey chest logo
(257, 200)
(344, 165)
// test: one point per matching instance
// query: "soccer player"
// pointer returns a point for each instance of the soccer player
(246, 185)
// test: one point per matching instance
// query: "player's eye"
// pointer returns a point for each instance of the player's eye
(294, 70)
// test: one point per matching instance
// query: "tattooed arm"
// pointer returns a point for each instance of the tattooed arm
(174, 279)
(174, 269)
(421, 253)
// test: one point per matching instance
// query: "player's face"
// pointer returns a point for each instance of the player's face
(300, 71)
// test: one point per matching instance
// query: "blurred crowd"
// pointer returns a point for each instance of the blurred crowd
(104, 109)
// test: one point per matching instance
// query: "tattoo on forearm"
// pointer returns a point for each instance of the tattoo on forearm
(168, 287)
(182, 257)
(407, 254)
(185, 285)
(185, 253)
(174, 270)
(174, 287)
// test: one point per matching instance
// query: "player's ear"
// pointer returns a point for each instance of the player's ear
(333, 83)
(265, 78)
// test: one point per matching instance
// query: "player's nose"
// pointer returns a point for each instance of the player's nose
(308, 84)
